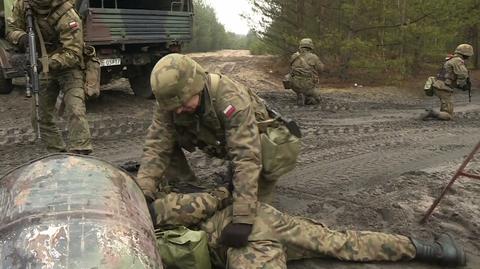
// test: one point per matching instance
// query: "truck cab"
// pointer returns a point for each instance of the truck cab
(129, 36)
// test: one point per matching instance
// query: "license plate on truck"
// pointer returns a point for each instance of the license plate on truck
(110, 62)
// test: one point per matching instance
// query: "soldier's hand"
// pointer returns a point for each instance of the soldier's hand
(235, 235)
(151, 208)
(19, 61)
(23, 43)
(54, 65)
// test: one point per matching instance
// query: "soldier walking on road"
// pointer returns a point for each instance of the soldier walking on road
(305, 67)
(211, 112)
(453, 75)
(60, 36)
(277, 237)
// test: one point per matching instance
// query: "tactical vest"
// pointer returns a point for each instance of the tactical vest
(446, 75)
(204, 129)
(46, 26)
(301, 68)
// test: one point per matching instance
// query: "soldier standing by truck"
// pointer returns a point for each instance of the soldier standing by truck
(60, 36)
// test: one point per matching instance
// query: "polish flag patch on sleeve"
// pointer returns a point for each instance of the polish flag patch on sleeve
(74, 25)
(229, 111)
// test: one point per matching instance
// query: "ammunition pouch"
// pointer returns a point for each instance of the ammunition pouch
(428, 87)
(287, 84)
(280, 150)
(92, 73)
(183, 248)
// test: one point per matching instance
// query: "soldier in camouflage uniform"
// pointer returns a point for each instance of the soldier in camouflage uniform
(277, 237)
(61, 29)
(211, 112)
(454, 74)
(305, 67)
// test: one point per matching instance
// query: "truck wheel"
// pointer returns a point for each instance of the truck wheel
(140, 82)
(6, 85)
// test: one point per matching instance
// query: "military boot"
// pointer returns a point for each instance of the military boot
(428, 114)
(444, 251)
(81, 151)
(311, 100)
(300, 99)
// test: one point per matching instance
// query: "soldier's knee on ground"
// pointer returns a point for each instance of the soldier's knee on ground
(444, 116)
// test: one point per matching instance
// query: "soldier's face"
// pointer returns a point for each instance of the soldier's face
(190, 106)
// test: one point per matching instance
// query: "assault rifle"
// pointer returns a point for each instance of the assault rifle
(33, 80)
(291, 125)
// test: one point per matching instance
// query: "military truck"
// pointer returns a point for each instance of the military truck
(130, 36)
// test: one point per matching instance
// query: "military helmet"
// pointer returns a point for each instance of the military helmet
(464, 49)
(175, 79)
(306, 43)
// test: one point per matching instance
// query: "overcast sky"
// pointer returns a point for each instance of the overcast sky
(228, 13)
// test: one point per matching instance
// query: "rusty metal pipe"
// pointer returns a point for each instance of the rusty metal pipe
(459, 173)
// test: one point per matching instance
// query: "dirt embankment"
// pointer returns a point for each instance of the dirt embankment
(367, 162)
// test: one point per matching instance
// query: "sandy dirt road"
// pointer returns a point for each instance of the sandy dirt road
(367, 162)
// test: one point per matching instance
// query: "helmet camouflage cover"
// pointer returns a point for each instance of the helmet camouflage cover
(306, 43)
(464, 49)
(175, 79)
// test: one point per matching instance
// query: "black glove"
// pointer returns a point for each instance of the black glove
(236, 235)
(467, 86)
(19, 61)
(151, 209)
(23, 43)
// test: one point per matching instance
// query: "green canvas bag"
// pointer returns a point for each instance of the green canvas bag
(280, 150)
(183, 248)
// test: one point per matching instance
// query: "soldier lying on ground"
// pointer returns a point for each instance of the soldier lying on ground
(277, 237)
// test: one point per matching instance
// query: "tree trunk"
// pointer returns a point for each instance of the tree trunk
(301, 18)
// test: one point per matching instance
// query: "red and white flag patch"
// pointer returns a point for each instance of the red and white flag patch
(74, 25)
(229, 111)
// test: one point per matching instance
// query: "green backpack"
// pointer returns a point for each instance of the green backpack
(183, 248)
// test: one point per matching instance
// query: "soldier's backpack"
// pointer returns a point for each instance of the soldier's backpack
(92, 72)
(280, 150)
(287, 83)
(428, 87)
(183, 248)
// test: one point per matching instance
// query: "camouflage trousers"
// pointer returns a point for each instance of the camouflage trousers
(305, 86)
(179, 174)
(446, 104)
(71, 83)
(277, 238)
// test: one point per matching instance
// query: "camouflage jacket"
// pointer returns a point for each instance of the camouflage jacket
(453, 74)
(304, 63)
(225, 126)
(61, 30)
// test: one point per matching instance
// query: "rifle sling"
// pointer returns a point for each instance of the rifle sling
(43, 49)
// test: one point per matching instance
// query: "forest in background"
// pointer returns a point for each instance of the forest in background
(373, 38)
(400, 38)
(210, 35)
